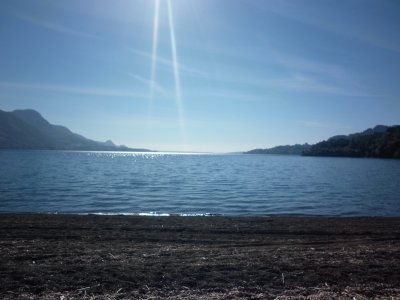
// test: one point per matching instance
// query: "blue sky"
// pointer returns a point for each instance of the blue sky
(244, 73)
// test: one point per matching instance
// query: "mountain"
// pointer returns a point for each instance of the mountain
(380, 141)
(17, 134)
(288, 150)
(27, 129)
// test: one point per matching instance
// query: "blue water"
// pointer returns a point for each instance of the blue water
(151, 183)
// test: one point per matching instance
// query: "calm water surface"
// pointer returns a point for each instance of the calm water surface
(109, 182)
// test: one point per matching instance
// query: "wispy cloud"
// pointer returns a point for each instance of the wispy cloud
(301, 74)
(310, 84)
(70, 89)
(225, 94)
(269, 56)
(290, 10)
(299, 64)
(168, 62)
(316, 76)
(379, 41)
(291, 71)
(149, 83)
(54, 26)
(298, 83)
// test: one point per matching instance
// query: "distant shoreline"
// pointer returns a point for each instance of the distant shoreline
(55, 256)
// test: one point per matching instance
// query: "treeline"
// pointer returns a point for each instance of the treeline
(370, 143)
(288, 150)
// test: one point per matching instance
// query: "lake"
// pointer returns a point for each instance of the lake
(226, 184)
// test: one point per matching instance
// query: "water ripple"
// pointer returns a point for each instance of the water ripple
(163, 183)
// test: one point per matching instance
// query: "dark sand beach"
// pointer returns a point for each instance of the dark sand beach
(129, 257)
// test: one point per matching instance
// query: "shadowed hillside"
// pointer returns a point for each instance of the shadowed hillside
(381, 141)
(27, 129)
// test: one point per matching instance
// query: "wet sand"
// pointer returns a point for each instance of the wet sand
(129, 257)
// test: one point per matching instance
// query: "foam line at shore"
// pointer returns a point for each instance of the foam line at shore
(154, 214)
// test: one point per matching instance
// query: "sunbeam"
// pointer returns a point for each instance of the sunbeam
(176, 73)
(154, 55)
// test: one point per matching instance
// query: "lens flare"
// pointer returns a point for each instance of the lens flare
(154, 55)
(178, 91)
(175, 66)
